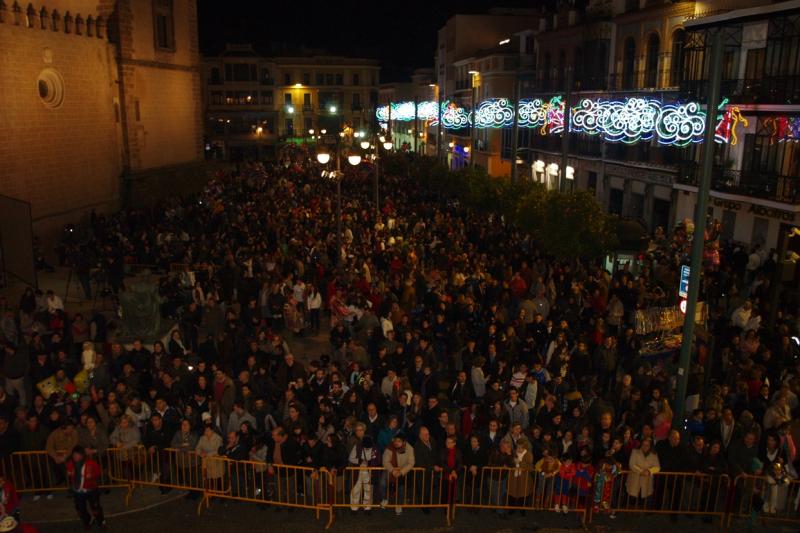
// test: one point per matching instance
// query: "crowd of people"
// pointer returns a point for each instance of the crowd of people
(453, 343)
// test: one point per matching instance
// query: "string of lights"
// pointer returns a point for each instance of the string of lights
(629, 121)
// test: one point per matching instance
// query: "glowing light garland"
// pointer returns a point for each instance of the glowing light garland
(783, 128)
(455, 117)
(725, 131)
(494, 113)
(629, 121)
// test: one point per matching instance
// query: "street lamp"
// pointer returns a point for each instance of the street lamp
(332, 109)
(364, 145)
(387, 145)
(290, 110)
(323, 131)
(311, 132)
(323, 157)
(354, 159)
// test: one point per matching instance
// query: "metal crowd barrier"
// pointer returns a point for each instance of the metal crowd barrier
(504, 489)
(368, 488)
(37, 472)
(499, 489)
(280, 485)
(765, 498)
(669, 493)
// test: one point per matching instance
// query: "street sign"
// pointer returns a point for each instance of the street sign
(683, 288)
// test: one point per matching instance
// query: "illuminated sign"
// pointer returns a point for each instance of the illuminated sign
(731, 116)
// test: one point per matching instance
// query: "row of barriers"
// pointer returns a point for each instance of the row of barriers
(499, 489)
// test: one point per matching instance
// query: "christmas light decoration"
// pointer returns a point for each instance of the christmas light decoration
(455, 117)
(628, 121)
(494, 113)
(783, 128)
(725, 131)
(680, 124)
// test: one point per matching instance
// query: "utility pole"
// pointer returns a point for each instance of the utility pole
(439, 124)
(472, 130)
(565, 134)
(698, 241)
(515, 133)
(338, 206)
(416, 123)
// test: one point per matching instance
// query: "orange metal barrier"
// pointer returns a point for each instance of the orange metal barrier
(765, 498)
(169, 469)
(36, 471)
(257, 482)
(367, 488)
(504, 489)
(665, 493)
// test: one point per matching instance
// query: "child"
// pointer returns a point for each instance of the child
(563, 484)
(546, 468)
(604, 485)
(584, 475)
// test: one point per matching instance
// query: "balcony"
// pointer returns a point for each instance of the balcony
(357, 107)
(763, 185)
(463, 85)
(266, 81)
(308, 108)
(767, 90)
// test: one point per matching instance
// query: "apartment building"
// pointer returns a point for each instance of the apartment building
(254, 101)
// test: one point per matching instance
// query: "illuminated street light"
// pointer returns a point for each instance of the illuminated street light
(364, 144)
(323, 131)
(354, 159)
(332, 109)
(298, 85)
(382, 139)
(290, 110)
(387, 145)
(311, 132)
(466, 149)
(323, 157)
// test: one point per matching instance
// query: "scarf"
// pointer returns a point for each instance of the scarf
(396, 451)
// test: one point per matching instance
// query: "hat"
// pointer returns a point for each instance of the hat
(8, 524)
(206, 416)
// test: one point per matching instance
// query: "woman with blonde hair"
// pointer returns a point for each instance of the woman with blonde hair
(662, 422)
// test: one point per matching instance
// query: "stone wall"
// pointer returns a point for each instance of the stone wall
(60, 152)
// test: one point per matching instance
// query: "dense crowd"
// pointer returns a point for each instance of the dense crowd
(454, 343)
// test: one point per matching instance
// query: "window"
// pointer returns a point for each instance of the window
(289, 126)
(307, 124)
(241, 72)
(265, 79)
(164, 25)
(266, 97)
(306, 78)
(215, 76)
(592, 182)
(228, 72)
(356, 101)
(229, 97)
(287, 79)
(356, 79)
(328, 79)
(320, 79)
(628, 63)
(307, 100)
(651, 65)
(216, 97)
(676, 66)
(287, 98)
(339, 79)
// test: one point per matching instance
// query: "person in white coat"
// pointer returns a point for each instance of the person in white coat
(479, 380)
(643, 464)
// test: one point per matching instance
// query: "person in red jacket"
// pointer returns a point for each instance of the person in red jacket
(83, 474)
(9, 500)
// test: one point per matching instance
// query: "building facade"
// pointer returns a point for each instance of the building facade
(95, 95)
(254, 101)
(643, 52)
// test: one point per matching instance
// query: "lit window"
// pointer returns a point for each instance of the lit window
(164, 25)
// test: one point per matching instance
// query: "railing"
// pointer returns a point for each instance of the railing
(501, 489)
(673, 493)
(367, 488)
(758, 185)
(37, 472)
(771, 499)
(780, 89)
(523, 489)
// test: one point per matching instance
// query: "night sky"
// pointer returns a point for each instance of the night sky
(402, 35)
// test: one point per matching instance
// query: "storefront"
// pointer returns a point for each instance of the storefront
(743, 221)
